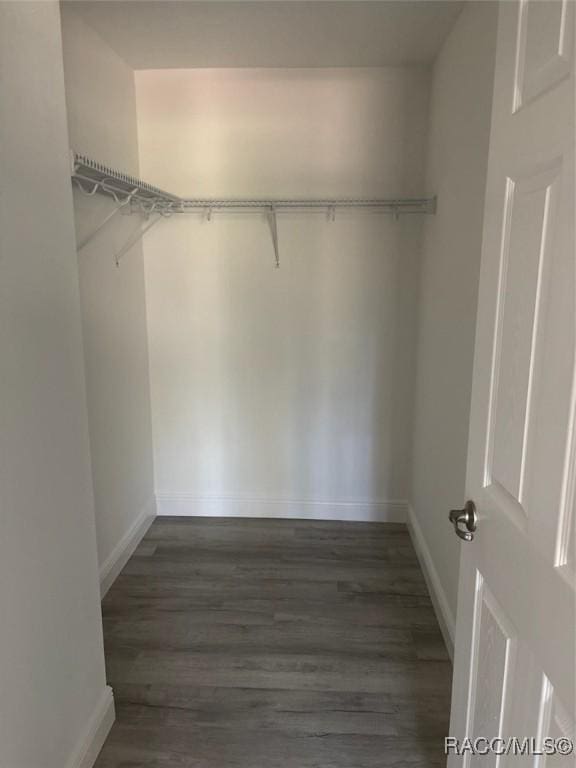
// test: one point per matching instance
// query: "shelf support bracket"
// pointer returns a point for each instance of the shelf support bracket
(135, 238)
(273, 223)
(105, 221)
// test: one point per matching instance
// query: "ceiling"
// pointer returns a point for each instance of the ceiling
(163, 34)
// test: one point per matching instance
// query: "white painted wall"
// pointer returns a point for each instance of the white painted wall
(101, 104)
(52, 680)
(274, 387)
(457, 158)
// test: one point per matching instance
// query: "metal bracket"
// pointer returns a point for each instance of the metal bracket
(135, 238)
(273, 223)
(121, 206)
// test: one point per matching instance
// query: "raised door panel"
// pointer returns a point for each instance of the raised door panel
(558, 727)
(544, 47)
(548, 487)
(526, 254)
(493, 673)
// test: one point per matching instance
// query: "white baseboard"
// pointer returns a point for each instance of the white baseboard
(119, 556)
(444, 614)
(188, 505)
(94, 736)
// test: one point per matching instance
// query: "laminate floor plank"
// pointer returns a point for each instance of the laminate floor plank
(234, 643)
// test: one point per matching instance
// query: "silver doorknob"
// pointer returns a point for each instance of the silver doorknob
(464, 521)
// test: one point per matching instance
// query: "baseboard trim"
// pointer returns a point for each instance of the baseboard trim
(444, 614)
(188, 505)
(119, 556)
(97, 730)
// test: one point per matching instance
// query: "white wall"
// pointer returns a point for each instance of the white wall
(457, 158)
(101, 106)
(273, 387)
(52, 681)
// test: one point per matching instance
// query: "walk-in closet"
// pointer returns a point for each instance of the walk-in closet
(241, 257)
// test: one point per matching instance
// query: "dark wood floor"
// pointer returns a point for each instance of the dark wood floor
(274, 644)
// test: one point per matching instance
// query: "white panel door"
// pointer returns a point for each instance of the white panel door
(515, 672)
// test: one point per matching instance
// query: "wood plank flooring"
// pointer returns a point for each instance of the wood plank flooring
(236, 643)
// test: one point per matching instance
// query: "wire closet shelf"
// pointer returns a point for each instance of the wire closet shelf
(132, 195)
(92, 177)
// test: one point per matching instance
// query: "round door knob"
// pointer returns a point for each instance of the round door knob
(464, 521)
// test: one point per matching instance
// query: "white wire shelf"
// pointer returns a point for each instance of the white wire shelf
(92, 177)
(132, 195)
